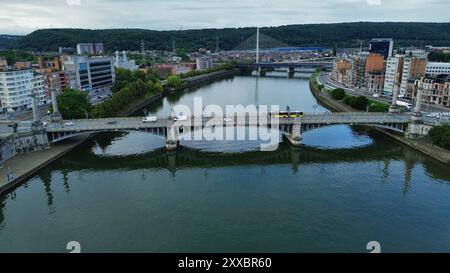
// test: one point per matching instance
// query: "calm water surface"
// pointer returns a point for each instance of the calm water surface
(123, 192)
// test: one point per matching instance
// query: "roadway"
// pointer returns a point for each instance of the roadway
(324, 78)
(136, 123)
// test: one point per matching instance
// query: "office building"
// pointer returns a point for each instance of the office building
(383, 46)
(16, 88)
(90, 73)
(204, 63)
(437, 68)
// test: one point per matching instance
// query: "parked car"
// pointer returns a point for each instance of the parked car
(150, 119)
(376, 95)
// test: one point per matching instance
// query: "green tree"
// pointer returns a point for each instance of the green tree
(440, 135)
(338, 94)
(174, 82)
(73, 104)
(158, 87)
(359, 103)
(139, 75)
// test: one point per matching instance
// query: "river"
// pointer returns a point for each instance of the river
(122, 192)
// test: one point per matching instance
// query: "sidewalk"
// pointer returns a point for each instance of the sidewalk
(25, 165)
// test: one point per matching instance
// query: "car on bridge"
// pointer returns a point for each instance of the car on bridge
(150, 119)
(180, 118)
(70, 123)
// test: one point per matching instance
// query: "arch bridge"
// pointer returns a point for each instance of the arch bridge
(291, 128)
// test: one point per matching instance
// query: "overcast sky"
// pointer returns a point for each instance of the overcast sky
(24, 16)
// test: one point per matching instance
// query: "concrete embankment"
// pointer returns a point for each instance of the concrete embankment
(26, 165)
(431, 150)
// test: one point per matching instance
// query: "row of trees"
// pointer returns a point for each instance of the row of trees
(124, 77)
(360, 102)
(129, 86)
(193, 73)
(439, 57)
(440, 135)
(120, 100)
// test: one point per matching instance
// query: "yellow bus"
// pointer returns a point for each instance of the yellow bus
(285, 114)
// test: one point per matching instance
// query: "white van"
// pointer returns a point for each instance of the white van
(150, 119)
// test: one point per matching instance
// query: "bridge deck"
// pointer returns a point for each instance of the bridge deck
(136, 123)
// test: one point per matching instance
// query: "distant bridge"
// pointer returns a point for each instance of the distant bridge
(290, 68)
(291, 128)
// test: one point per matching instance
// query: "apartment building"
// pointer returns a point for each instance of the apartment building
(393, 75)
(343, 72)
(436, 90)
(412, 68)
(16, 88)
(375, 82)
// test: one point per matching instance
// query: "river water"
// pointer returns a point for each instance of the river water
(122, 192)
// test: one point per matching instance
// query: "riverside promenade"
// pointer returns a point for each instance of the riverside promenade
(25, 165)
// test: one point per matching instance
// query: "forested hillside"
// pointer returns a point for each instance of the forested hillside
(328, 35)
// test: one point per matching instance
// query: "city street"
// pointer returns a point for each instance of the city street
(325, 79)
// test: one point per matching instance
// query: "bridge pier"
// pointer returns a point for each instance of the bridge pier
(415, 127)
(295, 137)
(291, 72)
(56, 116)
(172, 138)
(262, 71)
(394, 109)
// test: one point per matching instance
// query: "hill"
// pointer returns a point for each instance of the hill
(6, 40)
(328, 35)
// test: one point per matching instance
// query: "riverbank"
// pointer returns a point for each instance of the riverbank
(433, 151)
(26, 165)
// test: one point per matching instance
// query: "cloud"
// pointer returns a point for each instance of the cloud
(374, 2)
(27, 15)
(73, 2)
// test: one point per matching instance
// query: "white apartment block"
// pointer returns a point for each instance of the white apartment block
(124, 62)
(394, 65)
(417, 53)
(437, 68)
(16, 88)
